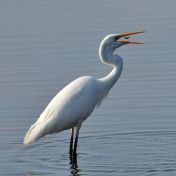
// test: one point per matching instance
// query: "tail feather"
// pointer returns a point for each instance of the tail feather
(35, 132)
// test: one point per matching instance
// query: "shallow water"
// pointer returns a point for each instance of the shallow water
(46, 44)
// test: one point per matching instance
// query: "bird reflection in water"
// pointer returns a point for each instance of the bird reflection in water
(74, 166)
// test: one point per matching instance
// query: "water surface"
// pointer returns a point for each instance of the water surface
(46, 44)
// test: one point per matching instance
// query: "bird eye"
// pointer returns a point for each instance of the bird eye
(127, 37)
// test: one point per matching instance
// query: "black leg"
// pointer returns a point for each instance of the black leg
(71, 141)
(76, 141)
(73, 154)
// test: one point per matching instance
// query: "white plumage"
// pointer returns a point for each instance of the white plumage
(70, 106)
(74, 103)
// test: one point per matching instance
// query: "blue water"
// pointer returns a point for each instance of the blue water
(46, 44)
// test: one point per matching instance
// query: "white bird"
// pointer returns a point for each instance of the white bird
(75, 102)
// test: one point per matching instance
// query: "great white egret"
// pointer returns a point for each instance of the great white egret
(75, 102)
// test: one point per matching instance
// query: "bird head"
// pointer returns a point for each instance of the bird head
(113, 41)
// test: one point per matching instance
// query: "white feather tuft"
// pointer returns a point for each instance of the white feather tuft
(35, 132)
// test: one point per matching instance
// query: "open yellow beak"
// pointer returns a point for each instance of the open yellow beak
(128, 34)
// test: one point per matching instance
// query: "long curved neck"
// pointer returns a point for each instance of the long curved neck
(115, 61)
